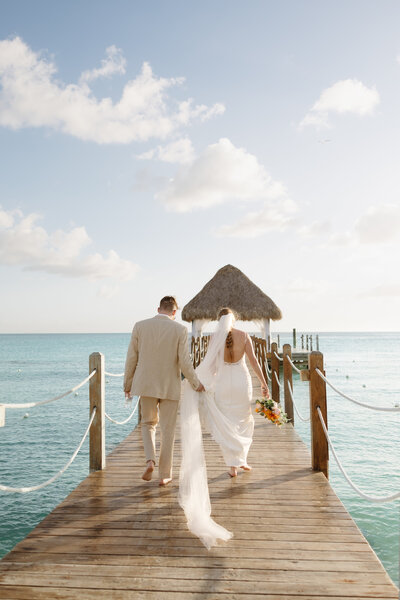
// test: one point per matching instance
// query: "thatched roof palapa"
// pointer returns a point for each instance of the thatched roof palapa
(230, 287)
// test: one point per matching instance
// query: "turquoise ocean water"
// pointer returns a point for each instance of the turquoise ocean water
(35, 443)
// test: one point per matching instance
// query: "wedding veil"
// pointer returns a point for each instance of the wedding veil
(194, 496)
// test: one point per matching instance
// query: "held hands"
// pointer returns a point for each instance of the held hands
(201, 388)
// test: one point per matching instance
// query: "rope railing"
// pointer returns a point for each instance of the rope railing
(278, 357)
(277, 380)
(41, 402)
(113, 374)
(375, 499)
(126, 420)
(305, 420)
(24, 490)
(292, 363)
(372, 407)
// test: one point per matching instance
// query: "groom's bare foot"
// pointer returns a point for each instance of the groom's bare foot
(165, 481)
(148, 474)
(246, 467)
(232, 471)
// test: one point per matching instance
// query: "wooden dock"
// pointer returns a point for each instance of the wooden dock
(116, 537)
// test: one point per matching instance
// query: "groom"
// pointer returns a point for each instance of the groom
(157, 353)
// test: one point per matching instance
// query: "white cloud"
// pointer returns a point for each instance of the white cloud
(181, 151)
(385, 289)
(379, 224)
(273, 217)
(31, 96)
(26, 244)
(316, 228)
(115, 63)
(221, 174)
(345, 96)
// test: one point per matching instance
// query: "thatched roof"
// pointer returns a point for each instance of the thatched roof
(230, 287)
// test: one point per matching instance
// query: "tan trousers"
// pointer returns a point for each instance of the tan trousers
(152, 411)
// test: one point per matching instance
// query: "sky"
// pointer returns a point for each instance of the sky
(145, 145)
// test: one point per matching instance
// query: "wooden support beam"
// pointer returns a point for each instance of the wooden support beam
(288, 380)
(97, 445)
(319, 444)
(274, 369)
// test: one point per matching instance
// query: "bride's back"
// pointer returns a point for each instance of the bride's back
(235, 352)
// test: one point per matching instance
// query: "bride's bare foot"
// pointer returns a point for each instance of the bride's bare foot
(165, 481)
(148, 474)
(232, 471)
(246, 467)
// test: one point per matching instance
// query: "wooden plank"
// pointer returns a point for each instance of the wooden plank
(116, 537)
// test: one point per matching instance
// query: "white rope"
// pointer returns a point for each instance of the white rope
(23, 490)
(295, 406)
(277, 380)
(355, 487)
(32, 404)
(113, 374)
(268, 376)
(277, 356)
(292, 363)
(126, 420)
(268, 369)
(382, 408)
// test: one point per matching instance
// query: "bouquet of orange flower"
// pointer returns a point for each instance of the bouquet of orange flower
(271, 411)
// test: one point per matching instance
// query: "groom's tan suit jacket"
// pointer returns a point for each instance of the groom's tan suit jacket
(157, 353)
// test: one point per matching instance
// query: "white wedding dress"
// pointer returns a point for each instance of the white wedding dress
(225, 407)
(233, 395)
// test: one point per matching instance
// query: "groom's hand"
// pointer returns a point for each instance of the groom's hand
(201, 388)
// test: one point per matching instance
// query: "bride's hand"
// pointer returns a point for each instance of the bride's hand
(265, 391)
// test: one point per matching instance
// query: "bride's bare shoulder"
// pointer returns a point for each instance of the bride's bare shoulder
(239, 333)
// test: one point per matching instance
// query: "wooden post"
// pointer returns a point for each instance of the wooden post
(302, 341)
(274, 369)
(279, 341)
(317, 338)
(288, 380)
(319, 444)
(311, 347)
(97, 446)
(307, 341)
(294, 338)
(263, 348)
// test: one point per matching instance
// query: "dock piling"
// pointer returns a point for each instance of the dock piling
(274, 372)
(288, 380)
(319, 444)
(97, 446)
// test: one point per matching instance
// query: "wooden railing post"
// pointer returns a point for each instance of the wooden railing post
(288, 380)
(97, 445)
(274, 369)
(319, 444)
(294, 338)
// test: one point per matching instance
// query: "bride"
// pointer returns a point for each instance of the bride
(225, 408)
